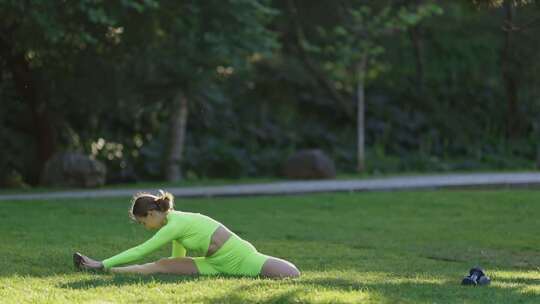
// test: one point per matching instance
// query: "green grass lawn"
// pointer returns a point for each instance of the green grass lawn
(377, 247)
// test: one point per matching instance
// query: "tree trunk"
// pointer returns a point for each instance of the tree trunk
(416, 40)
(360, 99)
(173, 171)
(538, 156)
(536, 136)
(508, 75)
(42, 128)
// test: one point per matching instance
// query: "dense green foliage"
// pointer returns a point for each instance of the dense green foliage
(367, 248)
(450, 86)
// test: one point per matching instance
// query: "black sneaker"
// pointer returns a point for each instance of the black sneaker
(476, 277)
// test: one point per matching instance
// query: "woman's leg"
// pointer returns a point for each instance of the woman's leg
(184, 266)
(278, 268)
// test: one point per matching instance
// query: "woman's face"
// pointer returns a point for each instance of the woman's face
(154, 220)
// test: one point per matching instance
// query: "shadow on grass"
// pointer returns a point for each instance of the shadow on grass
(118, 280)
(103, 280)
(417, 291)
(304, 290)
(398, 288)
(237, 295)
(36, 271)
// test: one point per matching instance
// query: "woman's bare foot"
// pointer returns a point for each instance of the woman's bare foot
(83, 262)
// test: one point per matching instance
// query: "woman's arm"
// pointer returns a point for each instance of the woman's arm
(178, 250)
(165, 235)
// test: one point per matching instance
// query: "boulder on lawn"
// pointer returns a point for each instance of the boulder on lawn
(73, 169)
(309, 164)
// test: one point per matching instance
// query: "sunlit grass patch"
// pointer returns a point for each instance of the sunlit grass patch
(391, 247)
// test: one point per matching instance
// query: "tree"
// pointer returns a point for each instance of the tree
(194, 45)
(40, 40)
(509, 73)
(510, 61)
(350, 51)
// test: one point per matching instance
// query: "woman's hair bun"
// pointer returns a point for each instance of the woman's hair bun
(165, 201)
(143, 202)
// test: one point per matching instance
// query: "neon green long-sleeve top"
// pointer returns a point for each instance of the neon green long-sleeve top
(185, 230)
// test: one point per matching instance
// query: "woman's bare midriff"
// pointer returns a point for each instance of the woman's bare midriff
(219, 237)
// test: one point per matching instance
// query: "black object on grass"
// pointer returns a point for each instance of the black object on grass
(476, 277)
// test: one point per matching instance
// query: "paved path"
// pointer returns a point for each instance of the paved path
(300, 187)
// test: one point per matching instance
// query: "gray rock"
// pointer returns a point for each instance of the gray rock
(73, 169)
(309, 164)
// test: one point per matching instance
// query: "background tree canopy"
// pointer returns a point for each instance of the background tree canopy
(231, 88)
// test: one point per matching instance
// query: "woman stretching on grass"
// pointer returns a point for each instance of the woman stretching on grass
(223, 252)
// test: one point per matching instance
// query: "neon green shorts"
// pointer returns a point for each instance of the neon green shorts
(235, 257)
